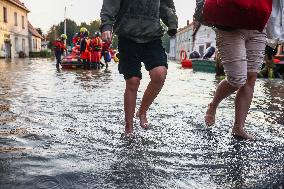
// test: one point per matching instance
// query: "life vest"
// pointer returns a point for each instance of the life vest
(85, 48)
(96, 44)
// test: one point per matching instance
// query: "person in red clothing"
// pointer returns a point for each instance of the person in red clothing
(77, 37)
(96, 45)
(105, 52)
(59, 48)
(85, 50)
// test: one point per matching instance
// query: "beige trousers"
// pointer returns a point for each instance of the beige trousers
(241, 51)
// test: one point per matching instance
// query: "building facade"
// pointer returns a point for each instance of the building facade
(14, 35)
(35, 39)
(191, 39)
(204, 37)
(183, 41)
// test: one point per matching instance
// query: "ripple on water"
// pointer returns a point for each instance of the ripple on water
(63, 130)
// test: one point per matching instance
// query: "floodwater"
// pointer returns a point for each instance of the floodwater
(62, 130)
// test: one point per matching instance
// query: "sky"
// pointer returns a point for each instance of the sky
(45, 13)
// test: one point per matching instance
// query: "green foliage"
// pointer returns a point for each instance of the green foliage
(71, 29)
(115, 42)
(95, 26)
(41, 54)
(39, 30)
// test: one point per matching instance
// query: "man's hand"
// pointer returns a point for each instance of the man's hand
(107, 36)
(172, 32)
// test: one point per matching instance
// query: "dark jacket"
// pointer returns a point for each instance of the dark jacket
(138, 20)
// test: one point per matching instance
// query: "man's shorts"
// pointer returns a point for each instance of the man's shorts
(131, 54)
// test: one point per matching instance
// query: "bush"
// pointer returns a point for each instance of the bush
(41, 54)
(22, 54)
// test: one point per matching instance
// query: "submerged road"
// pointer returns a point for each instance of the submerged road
(62, 129)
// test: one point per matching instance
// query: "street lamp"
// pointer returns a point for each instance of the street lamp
(65, 20)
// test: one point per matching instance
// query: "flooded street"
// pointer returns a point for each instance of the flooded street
(62, 130)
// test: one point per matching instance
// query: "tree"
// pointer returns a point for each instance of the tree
(71, 29)
(52, 35)
(95, 26)
(39, 30)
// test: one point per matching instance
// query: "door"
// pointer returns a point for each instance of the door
(7, 50)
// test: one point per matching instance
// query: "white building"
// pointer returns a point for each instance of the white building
(35, 39)
(192, 38)
(204, 37)
(183, 41)
(172, 53)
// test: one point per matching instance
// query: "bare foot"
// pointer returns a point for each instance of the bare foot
(143, 120)
(241, 133)
(210, 115)
(128, 129)
(129, 135)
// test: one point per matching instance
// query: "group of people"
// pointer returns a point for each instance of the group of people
(139, 30)
(89, 50)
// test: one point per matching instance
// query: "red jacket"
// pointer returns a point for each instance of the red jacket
(59, 45)
(106, 46)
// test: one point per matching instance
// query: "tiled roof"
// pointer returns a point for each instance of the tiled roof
(33, 31)
(19, 4)
(189, 26)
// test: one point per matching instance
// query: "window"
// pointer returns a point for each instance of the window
(23, 22)
(201, 50)
(5, 14)
(208, 45)
(15, 19)
(34, 44)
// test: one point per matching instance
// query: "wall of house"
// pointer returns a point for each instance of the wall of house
(34, 43)
(12, 30)
(205, 38)
(172, 54)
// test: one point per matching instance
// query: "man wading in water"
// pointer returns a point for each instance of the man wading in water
(137, 24)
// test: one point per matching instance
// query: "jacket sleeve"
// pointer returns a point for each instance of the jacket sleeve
(109, 11)
(168, 14)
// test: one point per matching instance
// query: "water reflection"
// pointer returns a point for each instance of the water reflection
(62, 129)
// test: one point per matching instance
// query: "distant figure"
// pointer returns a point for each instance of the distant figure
(209, 52)
(78, 36)
(137, 24)
(194, 55)
(85, 51)
(96, 46)
(105, 52)
(59, 48)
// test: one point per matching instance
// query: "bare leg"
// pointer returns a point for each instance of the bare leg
(223, 90)
(242, 105)
(158, 77)
(130, 96)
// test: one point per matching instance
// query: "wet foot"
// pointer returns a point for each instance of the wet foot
(143, 120)
(127, 136)
(241, 134)
(210, 115)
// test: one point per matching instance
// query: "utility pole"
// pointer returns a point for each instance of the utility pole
(65, 20)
